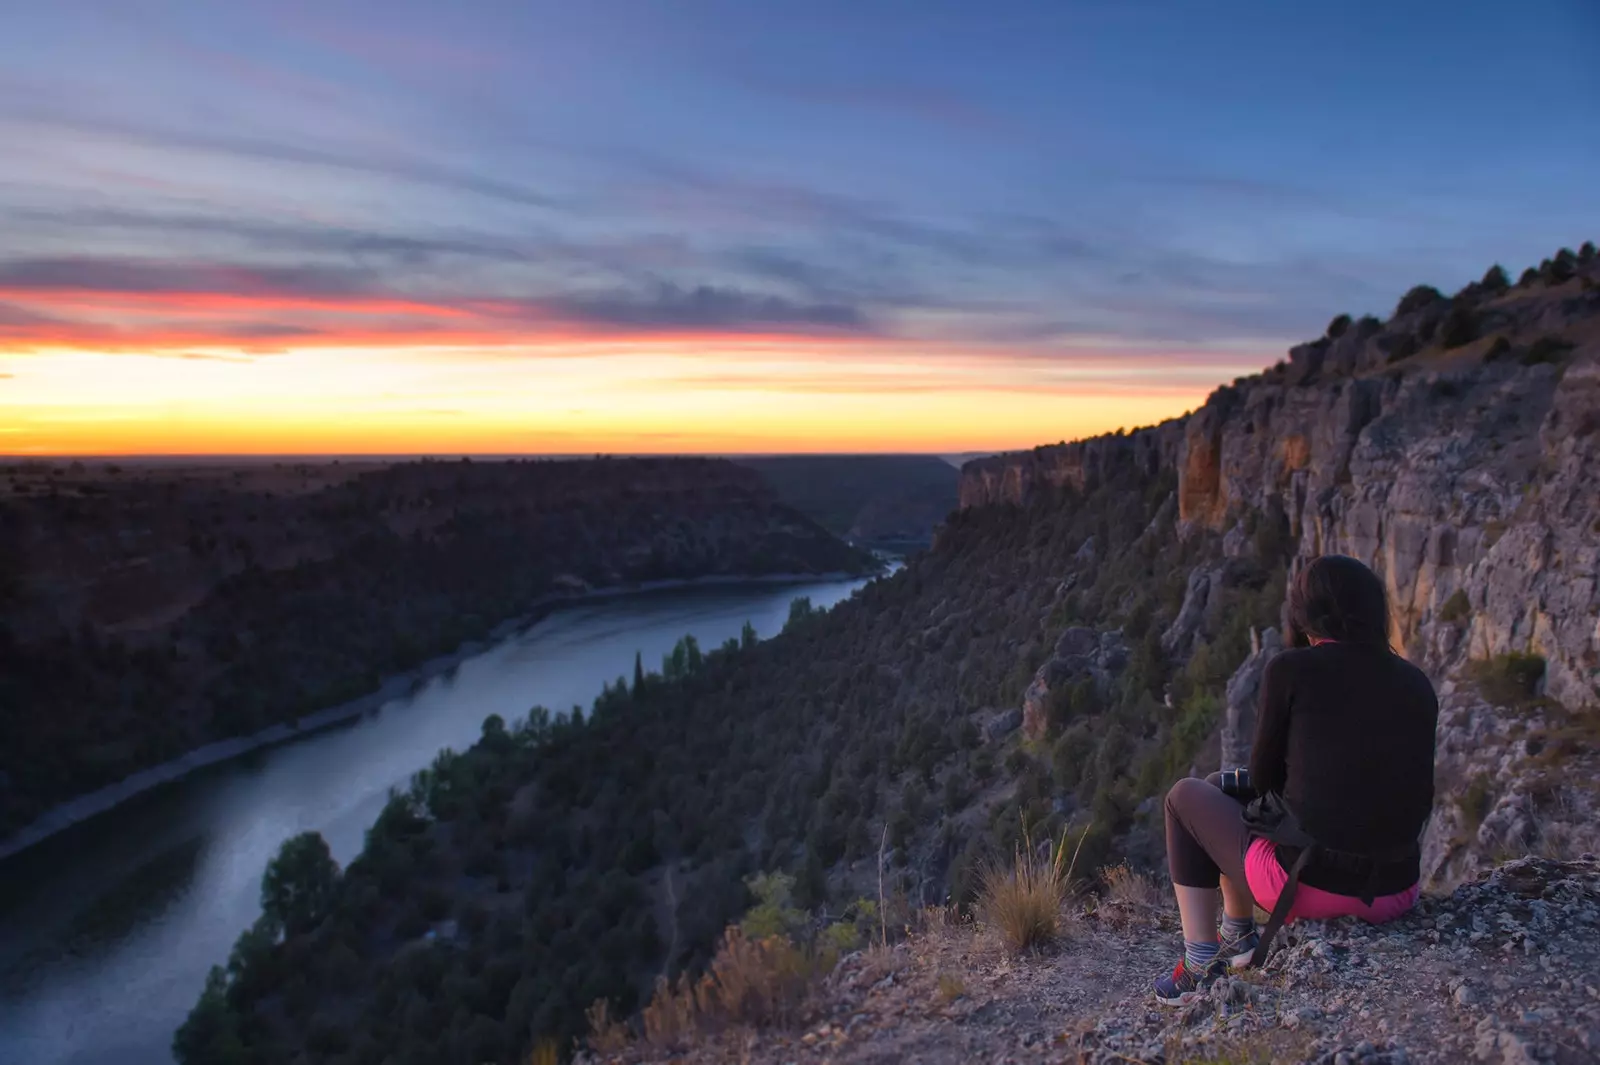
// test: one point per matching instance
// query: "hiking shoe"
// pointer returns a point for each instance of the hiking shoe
(1238, 952)
(1181, 986)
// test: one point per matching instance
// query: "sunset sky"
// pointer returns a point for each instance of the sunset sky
(752, 226)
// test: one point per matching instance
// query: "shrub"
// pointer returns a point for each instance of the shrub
(1403, 347)
(1586, 254)
(1497, 350)
(1456, 608)
(1419, 297)
(1529, 276)
(1337, 327)
(1022, 898)
(1509, 679)
(1562, 268)
(1548, 348)
(756, 982)
(1460, 327)
(1495, 279)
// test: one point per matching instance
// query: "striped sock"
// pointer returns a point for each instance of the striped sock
(1236, 928)
(1197, 957)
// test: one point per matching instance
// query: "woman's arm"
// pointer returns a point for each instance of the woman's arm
(1268, 768)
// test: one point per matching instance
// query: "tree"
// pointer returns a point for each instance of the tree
(1460, 327)
(638, 672)
(748, 637)
(1495, 279)
(1337, 327)
(210, 1034)
(1419, 297)
(298, 888)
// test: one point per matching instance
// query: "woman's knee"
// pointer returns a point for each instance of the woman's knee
(1184, 792)
(1215, 779)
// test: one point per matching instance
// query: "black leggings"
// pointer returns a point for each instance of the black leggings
(1206, 836)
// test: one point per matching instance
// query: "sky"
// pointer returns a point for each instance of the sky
(383, 226)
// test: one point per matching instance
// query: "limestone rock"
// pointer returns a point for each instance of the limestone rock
(1080, 654)
(1244, 698)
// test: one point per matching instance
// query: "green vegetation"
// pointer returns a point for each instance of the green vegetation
(1499, 349)
(271, 606)
(1418, 298)
(1476, 802)
(1495, 279)
(1456, 608)
(1510, 679)
(1337, 327)
(1547, 349)
(1460, 327)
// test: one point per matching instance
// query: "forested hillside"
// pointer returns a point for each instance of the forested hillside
(893, 501)
(556, 863)
(1087, 628)
(145, 611)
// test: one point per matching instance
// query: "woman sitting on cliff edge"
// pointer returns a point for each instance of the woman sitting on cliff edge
(1342, 765)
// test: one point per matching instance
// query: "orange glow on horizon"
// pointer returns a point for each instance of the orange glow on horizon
(575, 392)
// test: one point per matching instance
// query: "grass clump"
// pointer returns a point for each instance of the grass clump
(1456, 608)
(1125, 886)
(1022, 898)
(1476, 802)
(951, 987)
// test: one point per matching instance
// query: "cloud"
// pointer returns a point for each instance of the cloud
(414, 170)
(148, 276)
(271, 234)
(128, 304)
(703, 307)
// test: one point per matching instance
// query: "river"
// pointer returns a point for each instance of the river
(107, 929)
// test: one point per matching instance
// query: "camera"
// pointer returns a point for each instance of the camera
(1236, 784)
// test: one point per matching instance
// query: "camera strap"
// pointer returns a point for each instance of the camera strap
(1268, 817)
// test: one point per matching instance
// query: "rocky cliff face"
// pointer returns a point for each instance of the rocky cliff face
(1467, 476)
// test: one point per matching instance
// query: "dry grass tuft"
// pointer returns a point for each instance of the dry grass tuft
(545, 1052)
(607, 1035)
(756, 982)
(1022, 899)
(951, 987)
(1126, 887)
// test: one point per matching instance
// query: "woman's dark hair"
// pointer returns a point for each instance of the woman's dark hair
(1335, 597)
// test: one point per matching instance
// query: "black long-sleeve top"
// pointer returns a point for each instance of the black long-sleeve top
(1345, 733)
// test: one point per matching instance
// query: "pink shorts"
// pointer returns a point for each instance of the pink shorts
(1267, 878)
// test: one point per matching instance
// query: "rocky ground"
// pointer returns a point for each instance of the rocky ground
(1504, 970)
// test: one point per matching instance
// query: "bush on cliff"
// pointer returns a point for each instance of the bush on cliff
(1418, 298)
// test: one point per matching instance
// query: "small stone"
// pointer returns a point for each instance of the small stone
(1465, 996)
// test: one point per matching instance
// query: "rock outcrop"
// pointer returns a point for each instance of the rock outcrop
(1244, 697)
(1082, 657)
(1469, 478)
